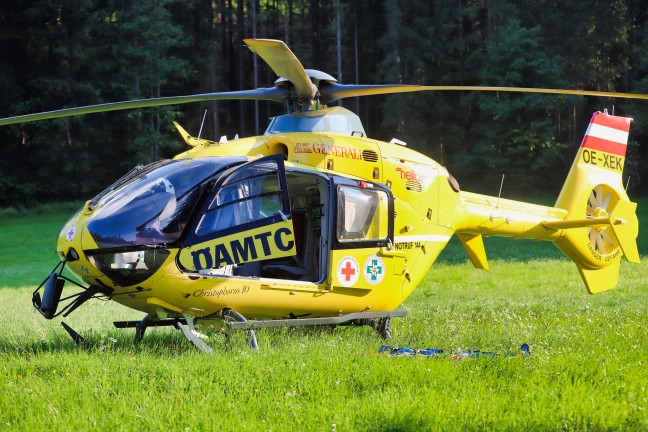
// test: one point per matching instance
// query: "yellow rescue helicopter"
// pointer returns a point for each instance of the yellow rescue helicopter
(314, 223)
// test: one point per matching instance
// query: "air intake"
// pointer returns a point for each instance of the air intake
(413, 186)
(369, 156)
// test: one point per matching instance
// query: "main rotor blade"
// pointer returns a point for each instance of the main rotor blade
(333, 91)
(543, 90)
(272, 94)
(284, 63)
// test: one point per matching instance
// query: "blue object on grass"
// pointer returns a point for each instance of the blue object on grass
(430, 351)
(397, 351)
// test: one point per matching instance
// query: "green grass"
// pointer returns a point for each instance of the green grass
(587, 370)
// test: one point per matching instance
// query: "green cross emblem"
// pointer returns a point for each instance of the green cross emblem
(374, 270)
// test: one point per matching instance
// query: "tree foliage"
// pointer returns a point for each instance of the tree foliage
(63, 53)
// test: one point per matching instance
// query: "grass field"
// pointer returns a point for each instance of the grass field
(588, 368)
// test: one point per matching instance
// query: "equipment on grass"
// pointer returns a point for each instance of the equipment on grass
(396, 351)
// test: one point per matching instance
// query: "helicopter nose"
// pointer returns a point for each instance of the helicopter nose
(71, 243)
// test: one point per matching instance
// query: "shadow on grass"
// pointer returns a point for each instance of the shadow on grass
(167, 343)
(401, 422)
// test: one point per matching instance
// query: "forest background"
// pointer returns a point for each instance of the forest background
(56, 54)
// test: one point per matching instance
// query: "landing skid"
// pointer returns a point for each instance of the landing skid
(379, 321)
(202, 346)
(76, 337)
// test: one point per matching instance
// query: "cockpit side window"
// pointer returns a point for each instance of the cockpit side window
(249, 195)
(244, 219)
(363, 214)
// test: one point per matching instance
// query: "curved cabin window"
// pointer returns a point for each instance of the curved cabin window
(253, 193)
(363, 214)
(154, 205)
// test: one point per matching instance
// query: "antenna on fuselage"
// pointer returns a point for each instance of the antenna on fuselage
(202, 123)
(500, 191)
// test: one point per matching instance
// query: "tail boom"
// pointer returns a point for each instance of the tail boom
(593, 221)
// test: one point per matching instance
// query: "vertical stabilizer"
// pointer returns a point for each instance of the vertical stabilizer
(605, 225)
(600, 159)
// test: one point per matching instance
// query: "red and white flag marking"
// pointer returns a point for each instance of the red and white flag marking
(608, 134)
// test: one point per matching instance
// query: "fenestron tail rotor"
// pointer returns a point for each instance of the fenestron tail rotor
(601, 203)
(295, 87)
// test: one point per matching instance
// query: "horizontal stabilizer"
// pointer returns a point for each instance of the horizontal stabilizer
(578, 223)
(623, 222)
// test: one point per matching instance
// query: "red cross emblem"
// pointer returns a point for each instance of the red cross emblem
(70, 234)
(348, 271)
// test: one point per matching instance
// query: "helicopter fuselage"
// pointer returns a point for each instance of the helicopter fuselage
(357, 224)
(313, 219)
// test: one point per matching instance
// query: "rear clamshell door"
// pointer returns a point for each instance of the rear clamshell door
(245, 218)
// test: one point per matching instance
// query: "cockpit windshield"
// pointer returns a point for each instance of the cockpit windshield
(155, 205)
